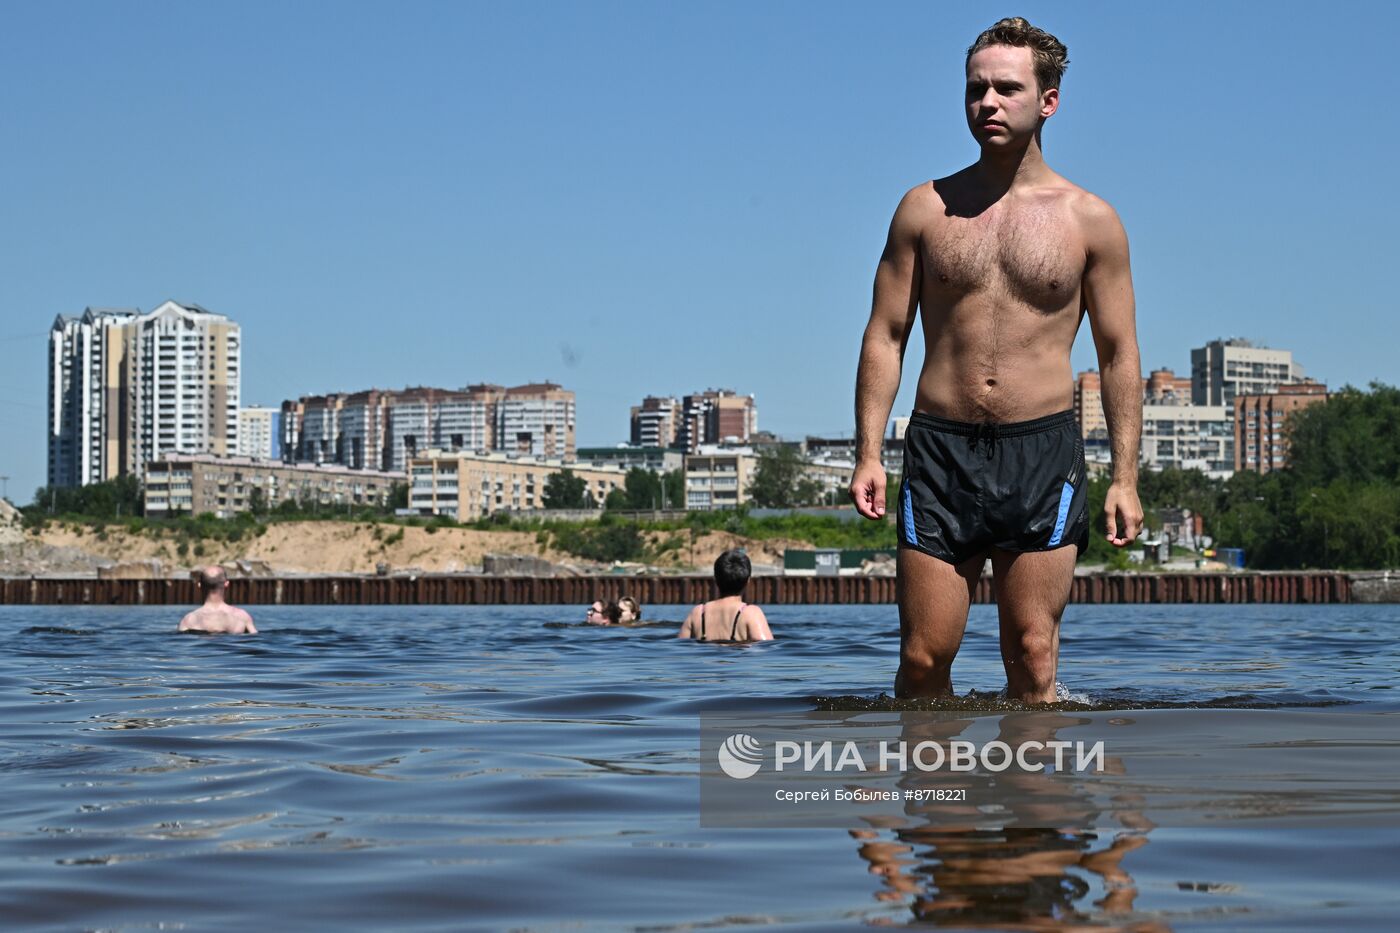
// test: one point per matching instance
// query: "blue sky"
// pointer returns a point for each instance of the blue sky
(635, 198)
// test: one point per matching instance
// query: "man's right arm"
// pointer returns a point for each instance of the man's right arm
(892, 313)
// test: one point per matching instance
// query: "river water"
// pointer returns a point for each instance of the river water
(452, 768)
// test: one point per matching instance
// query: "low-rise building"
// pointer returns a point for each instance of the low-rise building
(719, 477)
(833, 477)
(196, 483)
(654, 459)
(1261, 435)
(1187, 437)
(467, 486)
(843, 450)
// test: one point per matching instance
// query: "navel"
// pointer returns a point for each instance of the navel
(991, 382)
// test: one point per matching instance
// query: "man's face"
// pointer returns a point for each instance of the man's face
(1004, 104)
(595, 613)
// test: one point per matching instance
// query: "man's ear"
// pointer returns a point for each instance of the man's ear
(1049, 103)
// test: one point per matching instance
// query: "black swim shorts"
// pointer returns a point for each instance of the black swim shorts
(969, 487)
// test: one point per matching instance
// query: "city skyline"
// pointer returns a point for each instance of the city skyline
(376, 428)
(371, 200)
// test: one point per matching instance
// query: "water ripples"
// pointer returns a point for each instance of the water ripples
(454, 767)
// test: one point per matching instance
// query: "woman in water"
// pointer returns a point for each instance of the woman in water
(728, 618)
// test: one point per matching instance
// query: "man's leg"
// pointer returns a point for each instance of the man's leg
(1032, 590)
(933, 600)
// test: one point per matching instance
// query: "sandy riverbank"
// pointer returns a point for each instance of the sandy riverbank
(333, 547)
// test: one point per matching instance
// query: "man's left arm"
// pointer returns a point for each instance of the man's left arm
(1108, 297)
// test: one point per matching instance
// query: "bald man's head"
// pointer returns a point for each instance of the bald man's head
(211, 579)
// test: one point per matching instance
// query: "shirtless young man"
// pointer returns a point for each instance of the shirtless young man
(217, 616)
(1004, 257)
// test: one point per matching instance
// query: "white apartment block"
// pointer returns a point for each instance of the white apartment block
(383, 429)
(187, 364)
(126, 388)
(536, 424)
(256, 432)
(1223, 369)
(1187, 437)
(421, 420)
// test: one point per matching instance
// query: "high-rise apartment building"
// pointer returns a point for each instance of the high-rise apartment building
(382, 430)
(1223, 369)
(716, 416)
(535, 420)
(656, 422)
(1261, 421)
(257, 432)
(126, 388)
(87, 408)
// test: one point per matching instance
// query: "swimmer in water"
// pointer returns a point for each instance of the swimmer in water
(216, 615)
(631, 610)
(728, 618)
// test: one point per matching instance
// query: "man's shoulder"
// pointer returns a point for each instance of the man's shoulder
(1089, 208)
(922, 200)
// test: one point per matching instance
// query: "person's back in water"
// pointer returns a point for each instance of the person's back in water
(728, 618)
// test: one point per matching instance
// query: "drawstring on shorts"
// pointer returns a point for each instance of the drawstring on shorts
(987, 431)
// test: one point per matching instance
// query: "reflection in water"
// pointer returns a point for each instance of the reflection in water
(1024, 867)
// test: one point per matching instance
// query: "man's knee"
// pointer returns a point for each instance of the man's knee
(1035, 645)
(1033, 654)
(924, 659)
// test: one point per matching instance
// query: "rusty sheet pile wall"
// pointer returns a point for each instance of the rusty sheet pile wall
(479, 590)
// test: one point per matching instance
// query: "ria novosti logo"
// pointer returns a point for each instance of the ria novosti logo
(740, 756)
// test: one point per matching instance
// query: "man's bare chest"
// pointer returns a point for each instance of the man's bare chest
(1031, 255)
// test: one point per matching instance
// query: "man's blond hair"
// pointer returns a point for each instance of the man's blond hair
(1048, 54)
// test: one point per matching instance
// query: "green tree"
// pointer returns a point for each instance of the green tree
(1354, 435)
(778, 482)
(644, 490)
(257, 501)
(398, 496)
(610, 539)
(564, 490)
(674, 485)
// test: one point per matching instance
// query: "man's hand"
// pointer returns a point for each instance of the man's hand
(1123, 513)
(868, 490)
